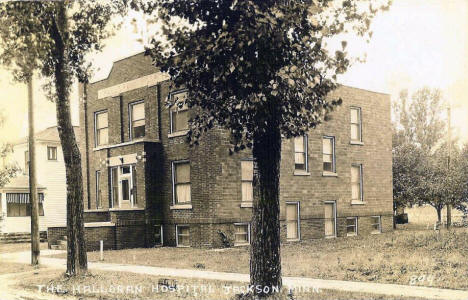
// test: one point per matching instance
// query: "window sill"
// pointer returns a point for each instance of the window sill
(301, 173)
(293, 240)
(136, 141)
(241, 244)
(330, 237)
(246, 204)
(351, 234)
(124, 209)
(357, 202)
(356, 143)
(182, 246)
(177, 133)
(180, 206)
(329, 174)
(376, 232)
(95, 210)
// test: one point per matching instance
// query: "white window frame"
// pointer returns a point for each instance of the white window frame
(177, 236)
(171, 110)
(379, 223)
(361, 183)
(359, 124)
(105, 111)
(50, 150)
(298, 206)
(248, 234)
(355, 226)
(333, 154)
(306, 154)
(119, 181)
(334, 220)
(130, 118)
(174, 202)
(161, 228)
(98, 196)
(243, 202)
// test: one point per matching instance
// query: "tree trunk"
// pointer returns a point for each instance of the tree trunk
(439, 214)
(76, 247)
(35, 249)
(449, 216)
(265, 259)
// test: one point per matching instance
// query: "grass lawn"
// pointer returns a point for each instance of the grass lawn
(118, 285)
(5, 248)
(408, 256)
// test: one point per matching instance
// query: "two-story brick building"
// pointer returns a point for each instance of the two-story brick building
(145, 186)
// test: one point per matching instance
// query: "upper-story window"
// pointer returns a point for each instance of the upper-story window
(328, 153)
(300, 153)
(101, 131)
(179, 112)
(51, 153)
(356, 124)
(137, 120)
(247, 180)
(356, 183)
(181, 182)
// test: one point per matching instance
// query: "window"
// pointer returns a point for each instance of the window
(26, 162)
(300, 153)
(137, 120)
(123, 186)
(101, 124)
(328, 154)
(356, 183)
(18, 204)
(376, 224)
(98, 190)
(158, 235)
(247, 180)
(179, 112)
(181, 182)
(330, 219)
(241, 234)
(356, 129)
(351, 226)
(182, 236)
(51, 153)
(292, 221)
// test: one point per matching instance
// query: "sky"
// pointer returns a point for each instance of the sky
(416, 43)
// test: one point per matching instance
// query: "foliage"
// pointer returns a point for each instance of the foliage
(421, 173)
(27, 37)
(248, 64)
(7, 171)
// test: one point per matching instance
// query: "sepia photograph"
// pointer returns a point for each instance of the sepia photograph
(234, 149)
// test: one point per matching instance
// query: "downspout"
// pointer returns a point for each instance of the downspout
(85, 107)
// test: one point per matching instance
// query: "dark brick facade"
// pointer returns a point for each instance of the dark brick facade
(216, 176)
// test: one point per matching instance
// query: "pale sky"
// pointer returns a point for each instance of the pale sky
(416, 43)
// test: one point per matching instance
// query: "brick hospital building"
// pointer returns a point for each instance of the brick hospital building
(144, 185)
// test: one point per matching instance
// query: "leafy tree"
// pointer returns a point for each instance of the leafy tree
(420, 169)
(261, 70)
(58, 35)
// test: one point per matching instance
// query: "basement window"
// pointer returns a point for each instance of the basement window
(182, 236)
(351, 226)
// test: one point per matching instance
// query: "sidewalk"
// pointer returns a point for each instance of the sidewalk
(362, 287)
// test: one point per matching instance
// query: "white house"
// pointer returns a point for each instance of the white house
(14, 203)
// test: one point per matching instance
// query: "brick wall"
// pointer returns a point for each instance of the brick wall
(216, 175)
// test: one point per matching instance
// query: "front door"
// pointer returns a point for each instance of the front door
(125, 186)
(330, 219)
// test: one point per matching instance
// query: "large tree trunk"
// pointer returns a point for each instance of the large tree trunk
(449, 216)
(76, 248)
(265, 259)
(35, 249)
(439, 213)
